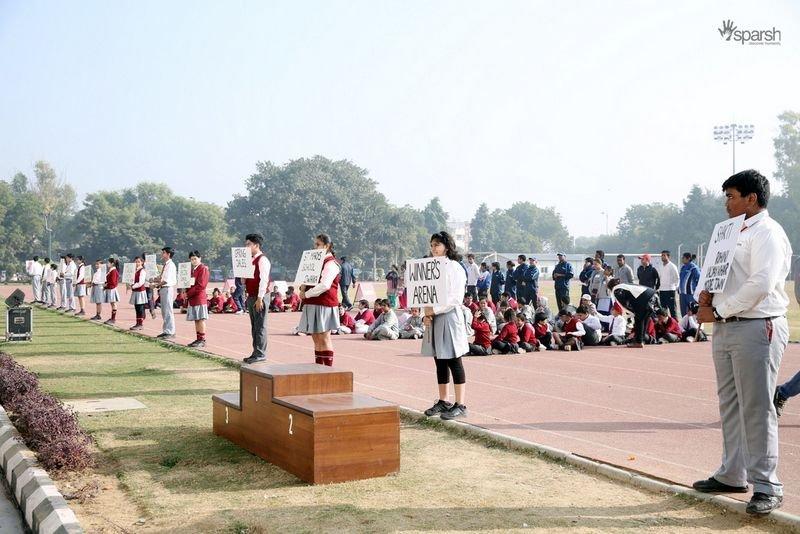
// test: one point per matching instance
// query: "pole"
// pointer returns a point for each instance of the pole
(374, 266)
(733, 142)
(49, 238)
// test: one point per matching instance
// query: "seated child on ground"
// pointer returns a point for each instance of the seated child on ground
(668, 330)
(591, 325)
(482, 346)
(507, 341)
(617, 325)
(385, 326)
(292, 300)
(527, 336)
(276, 301)
(364, 318)
(414, 327)
(572, 331)
(542, 330)
(691, 326)
(230, 304)
(347, 325)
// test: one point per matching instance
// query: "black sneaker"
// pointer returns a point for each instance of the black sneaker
(440, 407)
(110, 321)
(136, 327)
(255, 359)
(197, 343)
(458, 410)
(712, 485)
(779, 401)
(762, 504)
(165, 336)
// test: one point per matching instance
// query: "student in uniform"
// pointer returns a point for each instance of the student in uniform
(110, 295)
(667, 328)
(80, 285)
(98, 281)
(276, 301)
(364, 317)
(50, 278)
(70, 270)
(507, 341)
(377, 308)
(591, 325)
(527, 336)
(572, 336)
(690, 326)
(482, 345)
(230, 304)
(35, 271)
(542, 330)
(386, 326)
(641, 301)
(138, 292)
(197, 310)
(617, 325)
(62, 291)
(215, 304)
(151, 297)
(347, 324)
(292, 300)
(166, 293)
(320, 312)
(256, 289)
(414, 326)
(446, 332)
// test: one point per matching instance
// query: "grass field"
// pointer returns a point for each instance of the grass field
(162, 470)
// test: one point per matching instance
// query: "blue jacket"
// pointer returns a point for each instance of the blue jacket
(510, 282)
(483, 284)
(498, 281)
(519, 274)
(532, 277)
(690, 275)
(564, 268)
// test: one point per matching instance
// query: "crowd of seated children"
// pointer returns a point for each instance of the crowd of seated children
(386, 326)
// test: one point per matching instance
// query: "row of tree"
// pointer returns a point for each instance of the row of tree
(291, 203)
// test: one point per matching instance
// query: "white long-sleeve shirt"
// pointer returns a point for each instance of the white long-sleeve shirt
(142, 280)
(456, 285)
(80, 274)
(668, 275)
(51, 276)
(616, 324)
(70, 269)
(761, 263)
(169, 276)
(473, 272)
(329, 274)
(98, 277)
(36, 269)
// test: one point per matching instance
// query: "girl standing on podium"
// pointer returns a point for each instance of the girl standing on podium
(321, 304)
(446, 332)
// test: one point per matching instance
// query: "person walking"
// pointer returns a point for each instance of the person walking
(348, 278)
(750, 335)
(689, 276)
(669, 280)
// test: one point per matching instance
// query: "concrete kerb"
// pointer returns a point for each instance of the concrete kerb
(592, 466)
(510, 442)
(44, 508)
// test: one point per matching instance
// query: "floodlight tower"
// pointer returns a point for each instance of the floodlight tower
(733, 133)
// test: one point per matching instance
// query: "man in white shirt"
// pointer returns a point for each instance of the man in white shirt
(473, 272)
(70, 270)
(166, 293)
(750, 335)
(35, 271)
(670, 280)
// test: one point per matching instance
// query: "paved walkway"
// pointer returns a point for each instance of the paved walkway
(651, 410)
(10, 517)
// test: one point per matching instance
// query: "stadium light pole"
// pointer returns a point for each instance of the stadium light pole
(733, 133)
(606, 214)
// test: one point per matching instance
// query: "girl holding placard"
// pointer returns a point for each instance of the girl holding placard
(98, 281)
(139, 292)
(197, 309)
(110, 294)
(321, 304)
(446, 333)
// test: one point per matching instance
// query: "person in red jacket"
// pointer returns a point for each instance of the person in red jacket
(377, 308)
(527, 336)
(470, 303)
(482, 346)
(215, 303)
(541, 327)
(276, 301)
(668, 330)
(321, 304)
(197, 307)
(507, 341)
(292, 300)
(139, 292)
(572, 335)
(364, 317)
(347, 325)
(110, 294)
(230, 305)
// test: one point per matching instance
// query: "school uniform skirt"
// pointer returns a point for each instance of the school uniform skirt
(97, 295)
(197, 313)
(80, 290)
(110, 295)
(447, 336)
(138, 297)
(317, 319)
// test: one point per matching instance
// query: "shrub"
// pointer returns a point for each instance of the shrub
(48, 427)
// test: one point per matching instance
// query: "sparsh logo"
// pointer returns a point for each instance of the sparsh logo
(729, 31)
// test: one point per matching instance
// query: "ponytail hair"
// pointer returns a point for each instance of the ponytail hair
(449, 243)
(326, 240)
(114, 262)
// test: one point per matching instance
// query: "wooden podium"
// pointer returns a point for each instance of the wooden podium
(306, 419)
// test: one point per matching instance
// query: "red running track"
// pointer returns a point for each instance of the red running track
(652, 410)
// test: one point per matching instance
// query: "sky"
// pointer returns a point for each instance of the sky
(584, 106)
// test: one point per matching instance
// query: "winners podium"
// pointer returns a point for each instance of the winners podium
(306, 419)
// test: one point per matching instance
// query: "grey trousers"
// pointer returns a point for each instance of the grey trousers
(36, 286)
(49, 294)
(747, 356)
(69, 294)
(167, 296)
(62, 294)
(258, 327)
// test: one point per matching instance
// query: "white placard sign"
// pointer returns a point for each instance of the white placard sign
(310, 268)
(29, 265)
(128, 272)
(150, 266)
(719, 257)
(426, 282)
(242, 263)
(87, 274)
(185, 275)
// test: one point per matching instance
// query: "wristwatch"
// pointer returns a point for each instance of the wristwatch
(717, 316)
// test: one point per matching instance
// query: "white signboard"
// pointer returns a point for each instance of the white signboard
(128, 271)
(242, 263)
(721, 248)
(185, 275)
(87, 273)
(29, 265)
(150, 266)
(310, 268)
(426, 282)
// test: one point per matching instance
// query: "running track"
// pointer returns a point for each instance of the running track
(651, 410)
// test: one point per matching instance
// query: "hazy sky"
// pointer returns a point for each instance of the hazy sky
(585, 106)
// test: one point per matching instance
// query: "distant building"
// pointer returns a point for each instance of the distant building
(461, 234)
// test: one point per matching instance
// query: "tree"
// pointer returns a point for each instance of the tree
(20, 225)
(649, 227)
(544, 226)
(435, 217)
(787, 154)
(56, 199)
(482, 230)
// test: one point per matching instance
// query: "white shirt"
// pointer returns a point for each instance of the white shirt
(688, 321)
(329, 274)
(98, 278)
(264, 267)
(69, 270)
(616, 324)
(169, 276)
(36, 269)
(456, 284)
(593, 322)
(668, 274)
(79, 275)
(761, 263)
(51, 276)
(473, 272)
